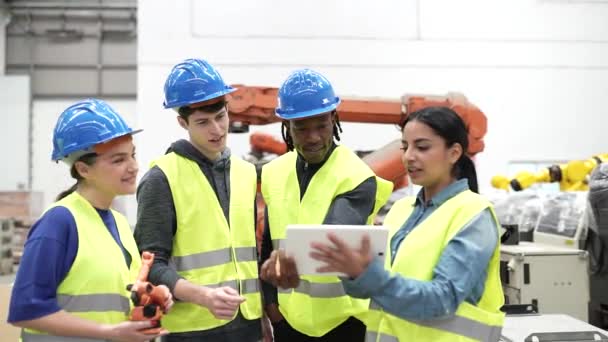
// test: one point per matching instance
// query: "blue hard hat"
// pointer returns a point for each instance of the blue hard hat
(305, 93)
(85, 124)
(193, 81)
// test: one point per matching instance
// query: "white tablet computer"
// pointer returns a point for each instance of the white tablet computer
(299, 238)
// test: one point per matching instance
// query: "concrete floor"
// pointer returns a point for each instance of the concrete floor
(8, 333)
(9, 278)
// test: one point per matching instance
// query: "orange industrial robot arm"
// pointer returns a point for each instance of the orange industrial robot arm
(255, 106)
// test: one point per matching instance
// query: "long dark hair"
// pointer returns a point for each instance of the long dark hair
(448, 125)
(289, 141)
(88, 159)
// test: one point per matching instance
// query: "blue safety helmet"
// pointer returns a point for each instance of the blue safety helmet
(193, 81)
(85, 124)
(305, 93)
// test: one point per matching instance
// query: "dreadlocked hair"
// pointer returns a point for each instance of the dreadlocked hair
(287, 137)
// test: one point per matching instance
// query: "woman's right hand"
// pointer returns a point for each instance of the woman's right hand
(131, 332)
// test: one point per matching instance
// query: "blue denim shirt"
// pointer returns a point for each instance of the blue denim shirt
(459, 275)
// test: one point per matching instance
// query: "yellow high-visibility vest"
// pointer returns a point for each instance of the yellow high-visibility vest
(207, 249)
(95, 287)
(416, 258)
(319, 304)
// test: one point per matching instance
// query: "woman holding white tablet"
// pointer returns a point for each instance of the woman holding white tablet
(441, 281)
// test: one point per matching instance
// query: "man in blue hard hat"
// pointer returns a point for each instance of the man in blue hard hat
(196, 212)
(318, 182)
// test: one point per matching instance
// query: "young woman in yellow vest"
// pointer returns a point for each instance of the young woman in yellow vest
(80, 255)
(441, 279)
(316, 182)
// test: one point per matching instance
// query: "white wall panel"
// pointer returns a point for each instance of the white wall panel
(538, 69)
(313, 19)
(14, 120)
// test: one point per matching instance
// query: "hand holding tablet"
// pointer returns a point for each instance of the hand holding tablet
(338, 249)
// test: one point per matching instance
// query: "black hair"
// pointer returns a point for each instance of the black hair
(449, 125)
(88, 159)
(289, 141)
(186, 111)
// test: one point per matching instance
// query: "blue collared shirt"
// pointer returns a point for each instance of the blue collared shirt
(459, 275)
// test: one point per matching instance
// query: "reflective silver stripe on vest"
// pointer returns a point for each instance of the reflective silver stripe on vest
(94, 302)
(202, 260)
(230, 283)
(455, 324)
(318, 290)
(465, 327)
(249, 285)
(212, 258)
(371, 336)
(278, 243)
(246, 254)
(28, 337)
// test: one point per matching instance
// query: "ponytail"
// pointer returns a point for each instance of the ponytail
(88, 159)
(67, 192)
(465, 168)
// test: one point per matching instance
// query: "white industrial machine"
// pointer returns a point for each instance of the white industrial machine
(551, 272)
(563, 221)
(518, 211)
(549, 328)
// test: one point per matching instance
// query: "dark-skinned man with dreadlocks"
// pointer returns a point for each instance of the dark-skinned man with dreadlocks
(316, 182)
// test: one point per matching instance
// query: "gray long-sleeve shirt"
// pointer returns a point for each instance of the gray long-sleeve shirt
(157, 224)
